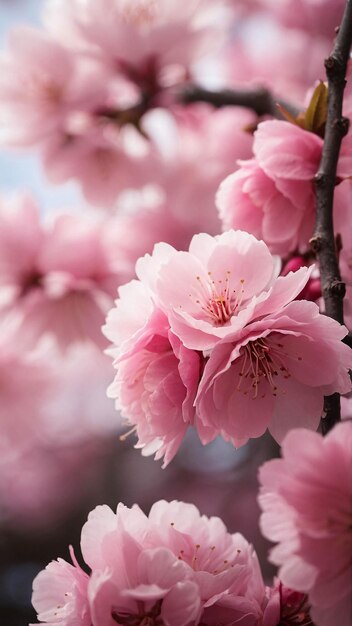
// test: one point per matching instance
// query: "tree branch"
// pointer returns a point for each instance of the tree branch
(260, 100)
(323, 241)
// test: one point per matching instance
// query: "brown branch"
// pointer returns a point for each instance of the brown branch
(260, 100)
(323, 241)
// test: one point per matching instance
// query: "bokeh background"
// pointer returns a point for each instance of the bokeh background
(49, 485)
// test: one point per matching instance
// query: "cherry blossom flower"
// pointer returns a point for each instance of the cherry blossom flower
(306, 503)
(284, 61)
(157, 377)
(63, 281)
(104, 158)
(320, 17)
(171, 567)
(60, 594)
(216, 288)
(272, 195)
(41, 83)
(150, 41)
(226, 351)
(265, 375)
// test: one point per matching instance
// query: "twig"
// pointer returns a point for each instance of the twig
(260, 100)
(323, 241)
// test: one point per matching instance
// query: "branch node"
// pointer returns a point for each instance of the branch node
(330, 63)
(337, 288)
(342, 125)
(315, 243)
(320, 179)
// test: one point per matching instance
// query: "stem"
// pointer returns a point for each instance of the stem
(323, 241)
(259, 100)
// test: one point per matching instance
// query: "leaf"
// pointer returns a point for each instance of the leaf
(316, 113)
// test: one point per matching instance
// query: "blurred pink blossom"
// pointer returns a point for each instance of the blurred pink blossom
(216, 288)
(319, 17)
(40, 83)
(150, 41)
(63, 281)
(306, 501)
(285, 61)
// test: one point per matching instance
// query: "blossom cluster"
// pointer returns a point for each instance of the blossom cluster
(306, 498)
(79, 88)
(272, 195)
(174, 567)
(213, 338)
(178, 568)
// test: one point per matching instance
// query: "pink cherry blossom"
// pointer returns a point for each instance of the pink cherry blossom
(320, 17)
(27, 380)
(41, 83)
(265, 375)
(145, 39)
(104, 158)
(60, 594)
(157, 377)
(286, 62)
(306, 502)
(227, 352)
(272, 195)
(63, 281)
(216, 287)
(312, 290)
(175, 567)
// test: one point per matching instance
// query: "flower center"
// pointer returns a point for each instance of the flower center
(207, 558)
(263, 361)
(142, 618)
(217, 298)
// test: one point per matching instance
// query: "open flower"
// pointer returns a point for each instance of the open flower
(306, 498)
(157, 377)
(63, 281)
(60, 594)
(273, 195)
(216, 288)
(174, 567)
(266, 374)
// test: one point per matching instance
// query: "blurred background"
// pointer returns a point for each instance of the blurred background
(62, 455)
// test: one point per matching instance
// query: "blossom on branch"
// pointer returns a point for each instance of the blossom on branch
(217, 342)
(174, 567)
(273, 194)
(306, 499)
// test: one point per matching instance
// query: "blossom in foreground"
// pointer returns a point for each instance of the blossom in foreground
(174, 567)
(157, 377)
(273, 195)
(266, 375)
(216, 341)
(215, 288)
(306, 499)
